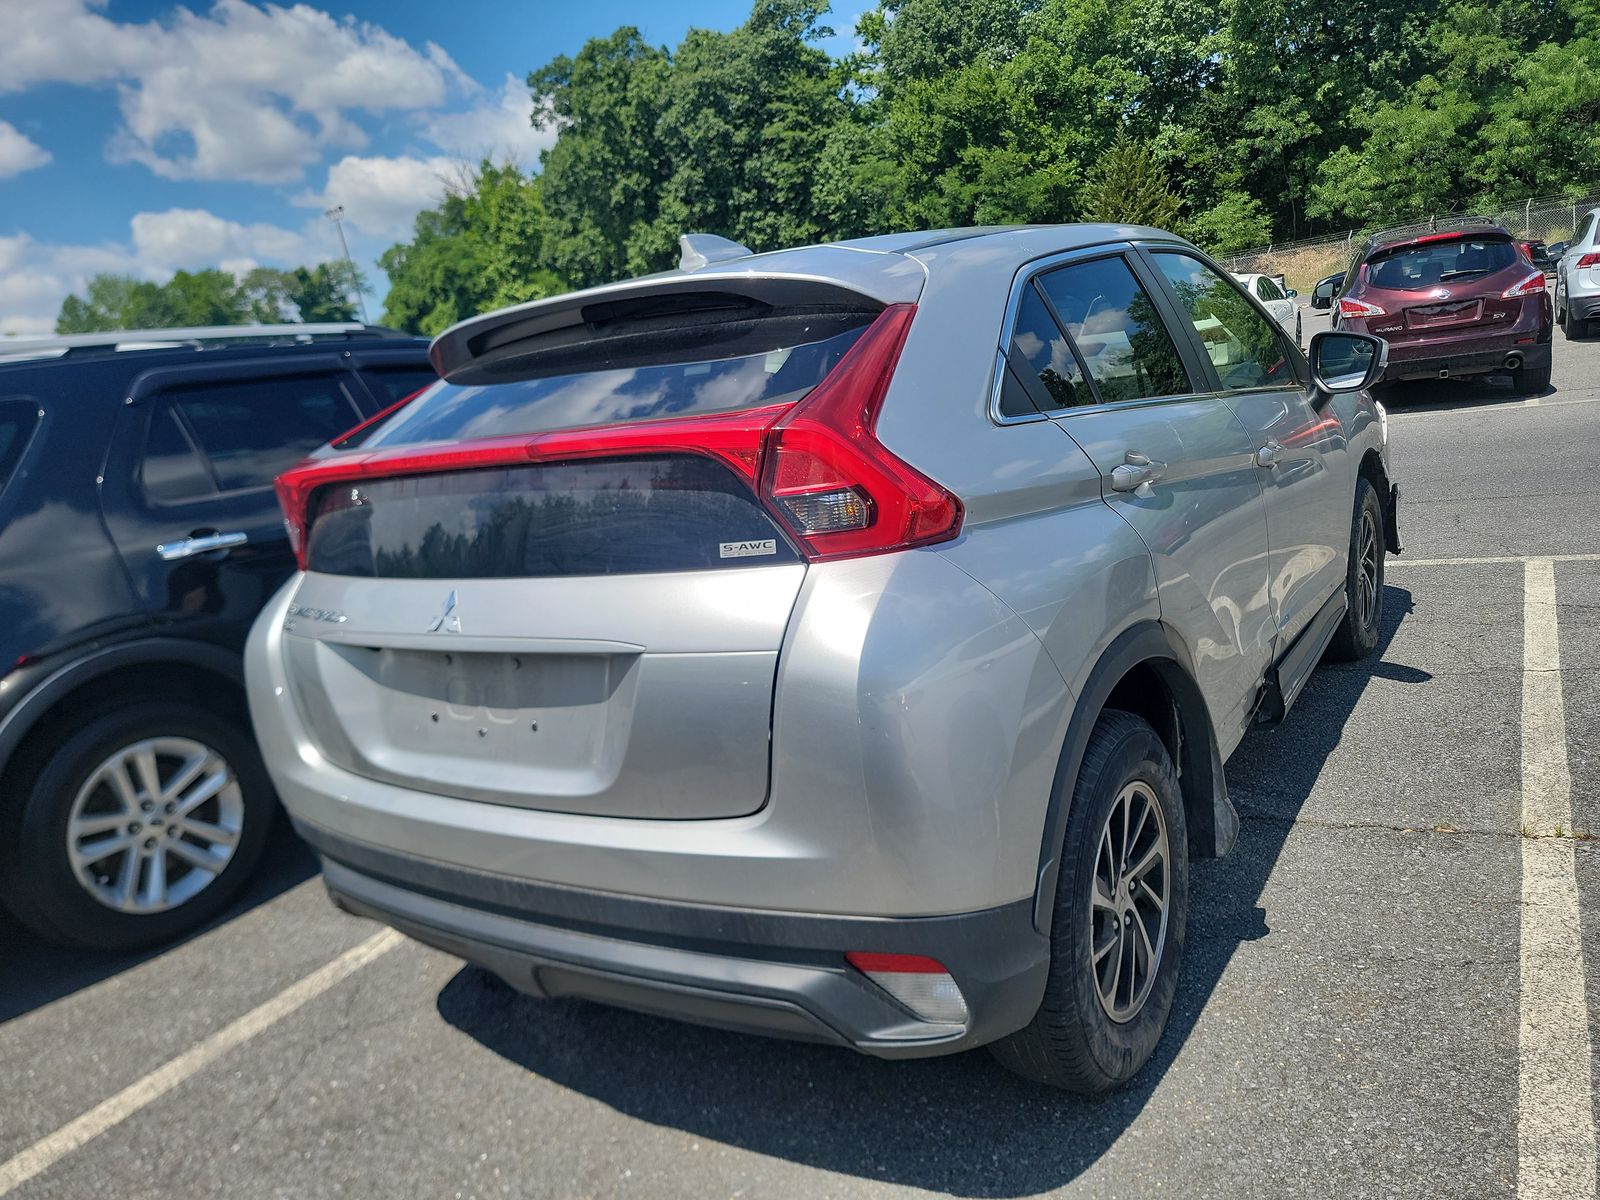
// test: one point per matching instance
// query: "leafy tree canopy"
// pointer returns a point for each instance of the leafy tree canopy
(213, 297)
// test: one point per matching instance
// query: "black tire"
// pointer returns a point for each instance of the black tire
(1073, 1041)
(1357, 635)
(1531, 381)
(37, 881)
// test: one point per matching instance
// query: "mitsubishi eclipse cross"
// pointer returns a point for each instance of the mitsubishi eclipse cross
(843, 643)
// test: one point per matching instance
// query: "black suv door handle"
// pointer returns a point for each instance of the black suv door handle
(202, 543)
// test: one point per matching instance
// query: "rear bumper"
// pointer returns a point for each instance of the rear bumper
(1471, 359)
(1584, 307)
(781, 974)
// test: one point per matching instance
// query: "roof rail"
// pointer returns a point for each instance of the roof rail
(13, 349)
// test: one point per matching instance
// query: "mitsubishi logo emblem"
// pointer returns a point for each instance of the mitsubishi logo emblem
(447, 621)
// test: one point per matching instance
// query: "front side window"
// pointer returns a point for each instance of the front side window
(1267, 290)
(1116, 330)
(250, 430)
(1245, 347)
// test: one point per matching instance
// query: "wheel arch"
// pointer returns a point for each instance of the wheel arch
(1148, 671)
(149, 668)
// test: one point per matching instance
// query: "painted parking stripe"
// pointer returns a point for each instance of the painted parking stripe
(16, 1171)
(1555, 1107)
(1488, 559)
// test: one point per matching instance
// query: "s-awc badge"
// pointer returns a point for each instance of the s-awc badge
(748, 549)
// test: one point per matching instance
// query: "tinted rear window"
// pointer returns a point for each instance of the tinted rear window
(1433, 263)
(17, 419)
(596, 517)
(641, 391)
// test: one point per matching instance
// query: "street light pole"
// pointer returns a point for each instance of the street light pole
(336, 215)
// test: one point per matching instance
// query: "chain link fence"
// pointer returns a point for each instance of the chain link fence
(1302, 263)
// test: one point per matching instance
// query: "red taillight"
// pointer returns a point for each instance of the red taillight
(1531, 286)
(1358, 308)
(817, 465)
(828, 478)
(1589, 260)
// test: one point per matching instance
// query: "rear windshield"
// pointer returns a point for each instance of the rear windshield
(1411, 268)
(595, 517)
(604, 394)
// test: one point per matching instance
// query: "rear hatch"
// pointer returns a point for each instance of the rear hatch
(1444, 286)
(560, 579)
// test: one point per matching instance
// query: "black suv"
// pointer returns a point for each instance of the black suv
(139, 536)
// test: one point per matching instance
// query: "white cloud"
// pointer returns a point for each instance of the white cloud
(35, 277)
(18, 152)
(241, 92)
(380, 196)
(497, 127)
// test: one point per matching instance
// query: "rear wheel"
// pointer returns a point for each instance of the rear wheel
(1357, 635)
(1530, 381)
(1116, 939)
(136, 828)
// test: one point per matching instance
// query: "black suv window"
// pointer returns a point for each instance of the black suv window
(248, 430)
(1115, 328)
(390, 385)
(17, 419)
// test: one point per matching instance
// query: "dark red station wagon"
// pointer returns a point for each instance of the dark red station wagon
(1451, 302)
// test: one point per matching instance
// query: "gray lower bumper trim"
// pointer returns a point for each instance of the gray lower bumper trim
(678, 960)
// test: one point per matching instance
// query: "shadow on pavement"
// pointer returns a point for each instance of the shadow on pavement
(1440, 395)
(962, 1125)
(35, 972)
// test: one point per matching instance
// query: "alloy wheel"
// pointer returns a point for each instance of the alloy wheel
(1367, 583)
(1129, 901)
(154, 824)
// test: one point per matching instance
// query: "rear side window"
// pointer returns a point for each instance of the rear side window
(594, 517)
(171, 469)
(779, 362)
(251, 430)
(1047, 356)
(393, 384)
(1417, 267)
(1118, 334)
(17, 419)
(1245, 346)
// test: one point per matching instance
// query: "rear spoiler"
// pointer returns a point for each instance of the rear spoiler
(823, 278)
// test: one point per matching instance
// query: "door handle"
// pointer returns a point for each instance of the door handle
(200, 544)
(1136, 472)
(1268, 455)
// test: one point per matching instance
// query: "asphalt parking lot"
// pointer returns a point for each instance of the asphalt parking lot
(1389, 989)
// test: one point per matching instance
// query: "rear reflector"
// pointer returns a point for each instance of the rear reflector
(1531, 286)
(920, 984)
(816, 465)
(1358, 308)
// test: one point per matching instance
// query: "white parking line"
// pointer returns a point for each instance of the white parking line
(16, 1171)
(1493, 558)
(1555, 1107)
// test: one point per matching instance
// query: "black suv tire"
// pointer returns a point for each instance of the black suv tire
(38, 883)
(1073, 1041)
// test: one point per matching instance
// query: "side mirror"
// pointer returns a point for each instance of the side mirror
(1347, 362)
(1555, 250)
(1291, 293)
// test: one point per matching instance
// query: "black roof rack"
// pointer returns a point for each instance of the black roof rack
(23, 349)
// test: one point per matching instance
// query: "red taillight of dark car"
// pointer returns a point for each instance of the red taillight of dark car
(816, 465)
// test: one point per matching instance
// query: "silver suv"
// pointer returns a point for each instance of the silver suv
(841, 643)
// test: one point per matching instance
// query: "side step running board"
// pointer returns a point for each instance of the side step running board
(1288, 675)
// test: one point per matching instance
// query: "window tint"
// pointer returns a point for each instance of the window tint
(251, 430)
(1116, 330)
(1039, 342)
(17, 418)
(1584, 230)
(597, 517)
(1244, 346)
(1267, 289)
(390, 385)
(171, 469)
(1413, 268)
(681, 381)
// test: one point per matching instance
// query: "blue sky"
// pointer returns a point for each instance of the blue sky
(144, 137)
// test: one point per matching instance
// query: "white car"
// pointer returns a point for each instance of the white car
(1577, 297)
(1277, 299)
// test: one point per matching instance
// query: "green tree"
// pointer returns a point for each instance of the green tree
(1130, 187)
(212, 297)
(481, 248)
